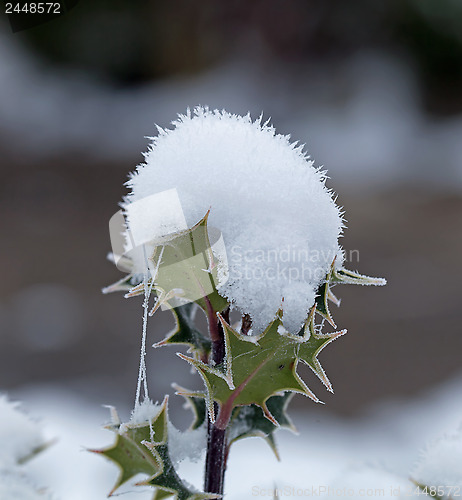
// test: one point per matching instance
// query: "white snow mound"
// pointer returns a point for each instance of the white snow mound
(279, 223)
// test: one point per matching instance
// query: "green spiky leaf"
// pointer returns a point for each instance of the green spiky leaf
(129, 453)
(322, 305)
(188, 265)
(186, 271)
(143, 448)
(246, 421)
(344, 276)
(196, 403)
(123, 285)
(256, 368)
(161, 494)
(249, 421)
(186, 332)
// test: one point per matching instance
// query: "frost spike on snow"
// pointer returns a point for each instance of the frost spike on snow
(143, 448)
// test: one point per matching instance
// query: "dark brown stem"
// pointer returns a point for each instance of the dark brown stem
(246, 324)
(215, 462)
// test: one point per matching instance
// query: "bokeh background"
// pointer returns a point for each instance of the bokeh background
(374, 89)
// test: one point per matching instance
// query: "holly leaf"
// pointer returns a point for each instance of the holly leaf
(143, 448)
(186, 333)
(196, 403)
(161, 494)
(256, 368)
(246, 421)
(344, 276)
(339, 276)
(314, 343)
(123, 285)
(128, 451)
(249, 421)
(187, 264)
(322, 306)
(185, 271)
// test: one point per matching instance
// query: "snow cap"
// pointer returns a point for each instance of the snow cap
(279, 223)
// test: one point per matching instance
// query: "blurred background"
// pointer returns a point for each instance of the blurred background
(374, 89)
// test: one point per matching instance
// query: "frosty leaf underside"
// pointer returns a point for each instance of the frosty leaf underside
(143, 449)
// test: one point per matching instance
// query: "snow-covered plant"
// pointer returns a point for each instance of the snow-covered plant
(20, 440)
(227, 216)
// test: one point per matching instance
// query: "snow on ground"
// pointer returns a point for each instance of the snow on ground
(377, 450)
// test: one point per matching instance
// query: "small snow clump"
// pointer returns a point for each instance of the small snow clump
(144, 412)
(279, 222)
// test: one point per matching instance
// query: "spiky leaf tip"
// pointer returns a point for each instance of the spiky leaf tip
(260, 367)
(142, 448)
(249, 421)
(186, 333)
